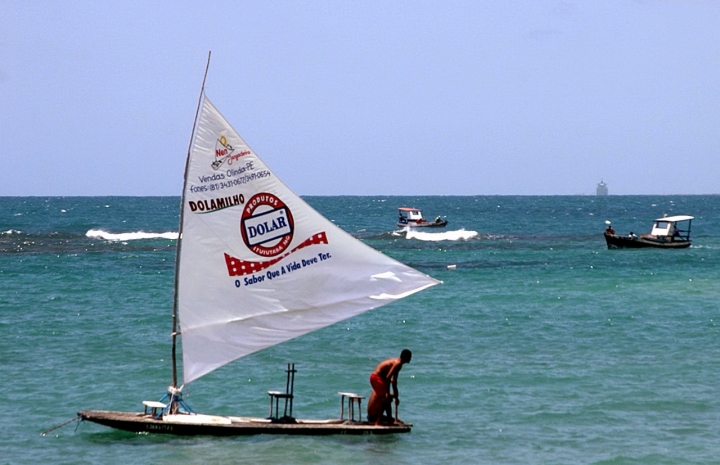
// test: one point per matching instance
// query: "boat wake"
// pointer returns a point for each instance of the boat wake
(457, 235)
(131, 236)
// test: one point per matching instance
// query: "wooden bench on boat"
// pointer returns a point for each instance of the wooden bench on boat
(153, 407)
(352, 399)
(287, 396)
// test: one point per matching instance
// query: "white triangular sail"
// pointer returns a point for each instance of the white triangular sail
(258, 266)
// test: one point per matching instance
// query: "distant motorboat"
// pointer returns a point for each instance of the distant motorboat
(669, 232)
(412, 218)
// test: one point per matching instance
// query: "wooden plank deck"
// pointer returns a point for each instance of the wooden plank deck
(210, 425)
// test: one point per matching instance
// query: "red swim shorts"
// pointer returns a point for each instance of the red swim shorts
(378, 384)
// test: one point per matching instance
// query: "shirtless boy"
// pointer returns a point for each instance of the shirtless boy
(382, 379)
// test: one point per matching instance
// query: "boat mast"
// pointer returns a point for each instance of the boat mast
(180, 231)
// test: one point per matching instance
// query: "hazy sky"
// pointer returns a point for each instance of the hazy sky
(366, 97)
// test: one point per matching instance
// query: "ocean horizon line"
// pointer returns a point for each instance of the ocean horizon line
(368, 195)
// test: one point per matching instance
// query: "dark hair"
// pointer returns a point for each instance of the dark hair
(405, 356)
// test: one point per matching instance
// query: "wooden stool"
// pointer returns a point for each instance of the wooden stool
(288, 396)
(276, 396)
(352, 398)
(151, 407)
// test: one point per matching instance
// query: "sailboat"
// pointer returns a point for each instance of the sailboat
(256, 266)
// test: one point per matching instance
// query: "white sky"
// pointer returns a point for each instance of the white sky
(366, 97)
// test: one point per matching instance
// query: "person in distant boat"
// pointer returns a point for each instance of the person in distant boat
(633, 235)
(382, 380)
(609, 230)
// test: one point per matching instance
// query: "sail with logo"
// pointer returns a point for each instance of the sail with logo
(256, 266)
(259, 266)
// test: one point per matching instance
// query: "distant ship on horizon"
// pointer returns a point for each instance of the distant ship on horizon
(602, 188)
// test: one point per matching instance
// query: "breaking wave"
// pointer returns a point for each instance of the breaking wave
(131, 236)
(458, 235)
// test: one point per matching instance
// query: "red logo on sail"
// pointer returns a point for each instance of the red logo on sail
(237, 267)
(267, 225)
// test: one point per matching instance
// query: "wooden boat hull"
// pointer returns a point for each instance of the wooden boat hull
(434, 224)
(234, 426)
(626, 242)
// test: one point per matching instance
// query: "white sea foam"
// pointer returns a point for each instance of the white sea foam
(131, 236)
(457, 235)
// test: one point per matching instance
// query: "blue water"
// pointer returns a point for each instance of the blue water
(541, 346)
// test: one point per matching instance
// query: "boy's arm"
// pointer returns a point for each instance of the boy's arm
(393, 375)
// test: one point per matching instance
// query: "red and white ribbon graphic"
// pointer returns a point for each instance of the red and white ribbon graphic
(237, 267)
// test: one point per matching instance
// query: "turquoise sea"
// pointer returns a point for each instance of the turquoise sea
(541, 346)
